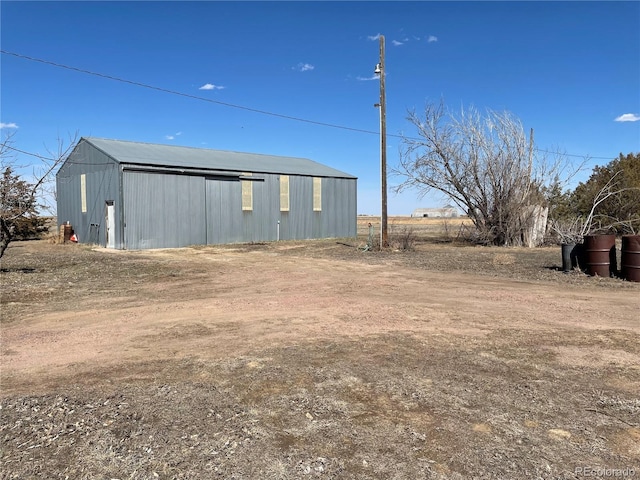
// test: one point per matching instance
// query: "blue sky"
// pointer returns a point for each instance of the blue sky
(569, 70)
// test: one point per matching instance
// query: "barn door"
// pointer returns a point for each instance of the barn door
(110, 222)
(224, 210)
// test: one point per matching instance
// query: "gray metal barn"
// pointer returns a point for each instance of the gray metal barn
(130, 195)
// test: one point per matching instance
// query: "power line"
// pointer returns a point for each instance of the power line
(50, 159)
(27, 153)
(241, 107)
(187, 95)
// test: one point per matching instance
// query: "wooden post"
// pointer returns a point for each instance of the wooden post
(384, 238)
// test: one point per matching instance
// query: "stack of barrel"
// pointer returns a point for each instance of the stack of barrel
(600, 256)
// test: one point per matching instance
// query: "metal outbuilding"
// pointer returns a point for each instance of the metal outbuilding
(130, 195)
(447, 211)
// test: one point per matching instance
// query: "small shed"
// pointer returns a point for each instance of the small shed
(447, 211)
(130, 195)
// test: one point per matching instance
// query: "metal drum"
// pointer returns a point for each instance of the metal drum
(600, 255)
(569, 256)
(630, 262)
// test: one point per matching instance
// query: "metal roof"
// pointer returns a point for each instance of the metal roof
(126, 152)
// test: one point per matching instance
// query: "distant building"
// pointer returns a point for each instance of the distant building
(447, 211)
(130, 195)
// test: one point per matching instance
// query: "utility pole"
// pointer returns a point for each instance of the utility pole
(380, 70)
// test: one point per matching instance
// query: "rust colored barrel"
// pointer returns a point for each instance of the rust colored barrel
(65, 233)
(630, 262)
(600, 255)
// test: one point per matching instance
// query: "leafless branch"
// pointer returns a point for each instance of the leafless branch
(19, 197)
(485, 164)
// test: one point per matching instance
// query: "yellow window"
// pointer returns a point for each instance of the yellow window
(247, 193)
(83, 192)
(284, 193)
(317, 194)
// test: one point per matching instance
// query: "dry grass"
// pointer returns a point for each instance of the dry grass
(387, 407)
(425, 229)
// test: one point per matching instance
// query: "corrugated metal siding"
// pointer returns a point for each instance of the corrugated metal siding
(102, 184)
(224, 211)
(337, 218)
(296, 223)
(338, 215)
(339, 208)
(261, 223)
(163, 210)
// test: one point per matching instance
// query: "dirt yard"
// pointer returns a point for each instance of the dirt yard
(315, 360)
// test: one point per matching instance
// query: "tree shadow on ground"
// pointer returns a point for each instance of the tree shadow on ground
(21, 270)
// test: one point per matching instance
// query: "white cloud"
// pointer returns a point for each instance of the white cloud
(432, 38)
(210, 86)
(8, 125)
(628, 117)
(172, 137)
(374, 37)
(396, 43)
(304, 67)
(365, 79)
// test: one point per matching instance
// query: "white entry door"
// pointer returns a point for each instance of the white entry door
(110, 221)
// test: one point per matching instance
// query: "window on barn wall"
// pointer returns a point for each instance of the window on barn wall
(247, 193)
(284, 193)
(83, 192)
(317, 194)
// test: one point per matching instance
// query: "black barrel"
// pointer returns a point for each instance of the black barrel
(600, 255)
(569, 256)
(630, 262)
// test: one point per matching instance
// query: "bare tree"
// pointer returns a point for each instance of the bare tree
(573, 228)
(486, 165)
(19, 199)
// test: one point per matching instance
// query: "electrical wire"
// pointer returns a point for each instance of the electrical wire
(50, 159)
(187, 95)
(27, 153)
(231, 105)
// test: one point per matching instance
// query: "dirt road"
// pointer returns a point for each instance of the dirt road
(246, 301)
